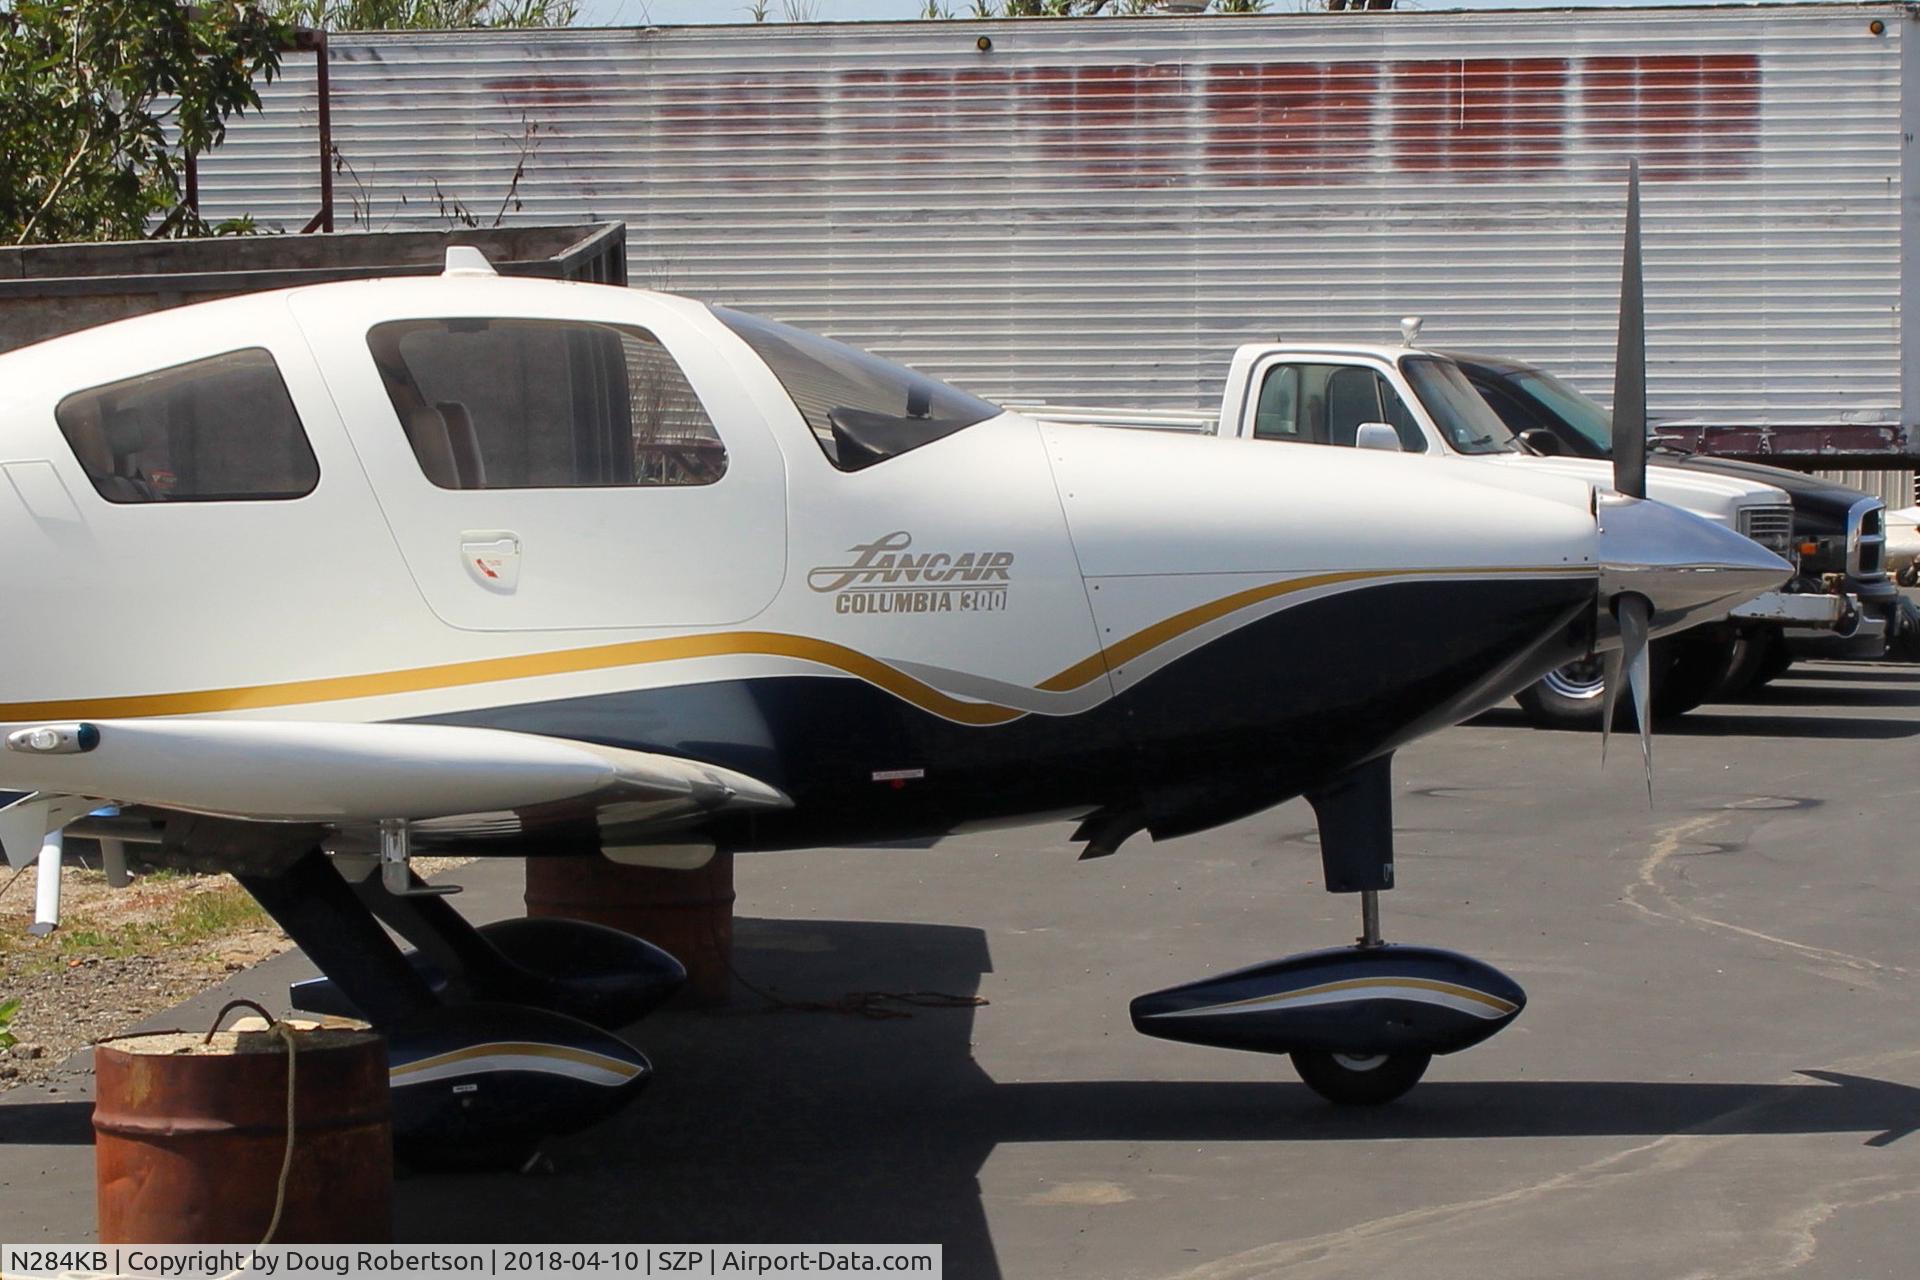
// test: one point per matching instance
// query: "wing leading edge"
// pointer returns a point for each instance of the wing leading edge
(353, 777)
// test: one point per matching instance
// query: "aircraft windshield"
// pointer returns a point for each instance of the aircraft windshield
(1468, 422)
(1568, 405)
(862, 409)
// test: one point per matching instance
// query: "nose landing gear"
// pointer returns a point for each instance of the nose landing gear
(1359, 1079)
(1360, 1023)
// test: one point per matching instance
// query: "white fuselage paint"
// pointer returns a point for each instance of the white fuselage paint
(1012, 568)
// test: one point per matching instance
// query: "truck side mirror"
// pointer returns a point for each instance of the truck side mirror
(1376, 435)
(1542, 442)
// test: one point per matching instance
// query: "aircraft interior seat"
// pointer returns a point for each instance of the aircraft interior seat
(468, 462)
(433, 446)
(89, 443)
(124, 436)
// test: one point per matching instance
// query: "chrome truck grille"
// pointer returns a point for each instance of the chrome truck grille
(1867, 539)
(1770, 526)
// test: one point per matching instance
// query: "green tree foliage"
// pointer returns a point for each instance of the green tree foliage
(101, 100)
(404, 15)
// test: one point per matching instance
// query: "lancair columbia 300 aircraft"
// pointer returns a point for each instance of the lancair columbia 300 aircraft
(305, 583)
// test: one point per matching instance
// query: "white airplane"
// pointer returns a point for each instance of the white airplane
(305, 583)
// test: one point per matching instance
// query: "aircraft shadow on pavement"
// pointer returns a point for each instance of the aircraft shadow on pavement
(1830, 695)
(46, 1124)
(1706, 722)
(821, 1127)
(1891, 674)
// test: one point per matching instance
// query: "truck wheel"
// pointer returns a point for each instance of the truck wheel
(1698, 665)
(1755, 654)
(1568, 697)
(1572, 696)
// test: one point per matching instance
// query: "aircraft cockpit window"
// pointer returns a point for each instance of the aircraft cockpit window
(861, 409)
(222, 429)
(544, 404)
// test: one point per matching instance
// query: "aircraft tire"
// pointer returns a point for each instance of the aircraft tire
(1571, 697)
(1354, 1080)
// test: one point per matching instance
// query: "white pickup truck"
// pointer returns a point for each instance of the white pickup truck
(1414, 400)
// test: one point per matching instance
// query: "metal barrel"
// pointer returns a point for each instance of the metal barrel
(688, 914)
(191, 1138)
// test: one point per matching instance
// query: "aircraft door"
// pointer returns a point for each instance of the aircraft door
(549, 472)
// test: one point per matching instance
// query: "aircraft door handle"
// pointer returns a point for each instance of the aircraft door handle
(492, 559)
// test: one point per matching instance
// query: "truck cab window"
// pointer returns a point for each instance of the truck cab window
(1456, 408)
(544, 404)
(1277, 416)
(1394, 412)
(221, 429)
(1326, 403)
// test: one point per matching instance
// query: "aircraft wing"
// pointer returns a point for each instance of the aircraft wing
(461, 787)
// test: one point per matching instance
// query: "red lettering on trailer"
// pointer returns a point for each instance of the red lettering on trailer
(1479, 118)
(1121, 126)
(1686, 116)
(547, 91)
(748, 126)
(1266, 124)
(1288, 123)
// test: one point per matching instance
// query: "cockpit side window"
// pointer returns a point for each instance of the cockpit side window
(861, 409)
(222, 429)
(544, 404)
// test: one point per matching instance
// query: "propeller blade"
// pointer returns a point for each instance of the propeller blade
(1630, 359)
(1610, 672)
(1634, 614)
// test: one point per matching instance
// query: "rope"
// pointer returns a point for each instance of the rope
(285, 1035)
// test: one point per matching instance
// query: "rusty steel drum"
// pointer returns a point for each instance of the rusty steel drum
(688, 914)
(191, 1138)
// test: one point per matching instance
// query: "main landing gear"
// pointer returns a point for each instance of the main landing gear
(1360, 1023)
(498, 1037)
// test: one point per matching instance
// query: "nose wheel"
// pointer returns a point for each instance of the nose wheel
(1359, 1079)
(1360, 1023)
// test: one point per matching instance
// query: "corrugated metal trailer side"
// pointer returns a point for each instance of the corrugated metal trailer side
(1098, 210)
(1894, 487)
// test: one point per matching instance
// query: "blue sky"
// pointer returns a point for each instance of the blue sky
(679, 12)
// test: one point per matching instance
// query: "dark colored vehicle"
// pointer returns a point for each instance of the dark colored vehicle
(1838, 545)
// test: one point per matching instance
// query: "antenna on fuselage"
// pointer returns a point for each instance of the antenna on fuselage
(466, 260)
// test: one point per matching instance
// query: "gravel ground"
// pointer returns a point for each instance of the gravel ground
(118, 957)
(121, 956)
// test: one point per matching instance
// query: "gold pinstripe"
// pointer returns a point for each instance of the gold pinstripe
(1356, 984)
(732, 643)
(521, 1049)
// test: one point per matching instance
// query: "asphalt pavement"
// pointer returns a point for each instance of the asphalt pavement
(1718, 1073)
